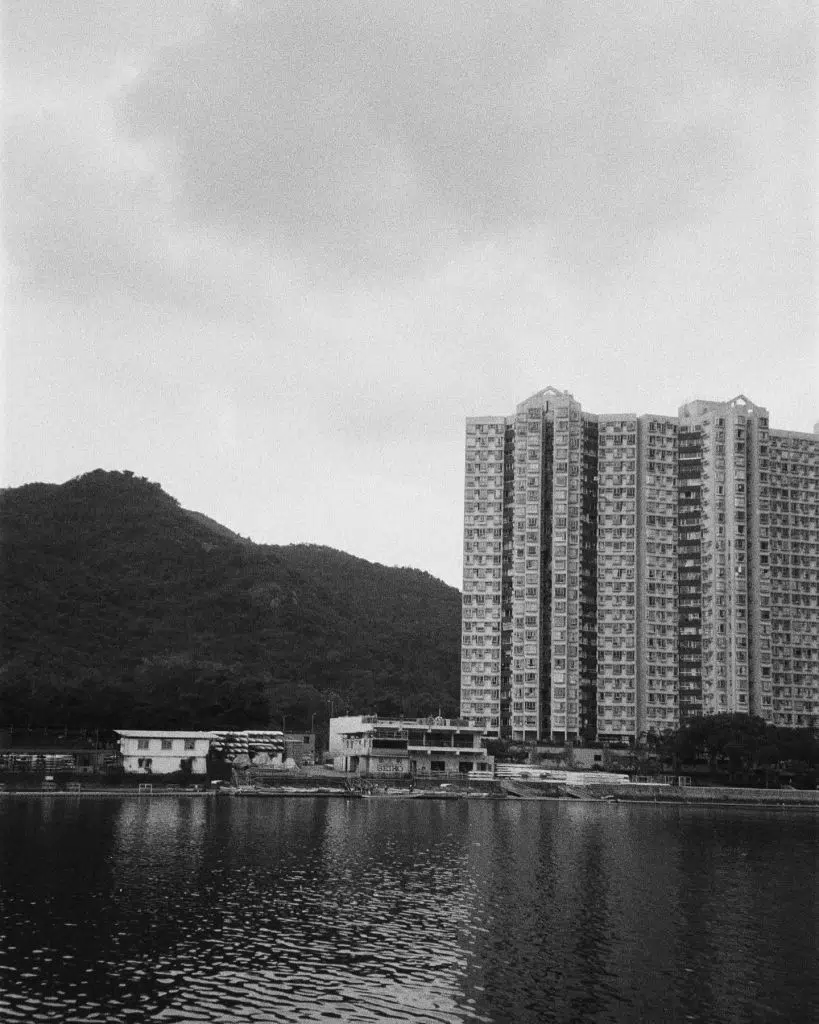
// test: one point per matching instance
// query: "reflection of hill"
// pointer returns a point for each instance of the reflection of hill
(118, 605)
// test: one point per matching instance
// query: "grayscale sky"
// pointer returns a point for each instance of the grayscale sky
(272, 254)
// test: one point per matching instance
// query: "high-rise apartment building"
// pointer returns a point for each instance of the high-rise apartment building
(637, 610)
(622, 572)
(792, 566)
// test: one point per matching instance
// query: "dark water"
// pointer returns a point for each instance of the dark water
(192, 910)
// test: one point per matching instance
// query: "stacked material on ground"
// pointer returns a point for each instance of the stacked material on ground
(246, 746)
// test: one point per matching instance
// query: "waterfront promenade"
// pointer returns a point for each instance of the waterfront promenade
(340, 786)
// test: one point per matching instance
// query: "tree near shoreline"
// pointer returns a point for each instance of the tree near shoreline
(740, 744)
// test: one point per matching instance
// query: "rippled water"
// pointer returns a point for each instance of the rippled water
(195, 910)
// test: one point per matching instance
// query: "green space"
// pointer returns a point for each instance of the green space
(121, 607)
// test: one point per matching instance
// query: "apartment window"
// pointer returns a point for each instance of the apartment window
(190, 744)
(167, 744)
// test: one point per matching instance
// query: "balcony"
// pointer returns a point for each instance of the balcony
(433, 748)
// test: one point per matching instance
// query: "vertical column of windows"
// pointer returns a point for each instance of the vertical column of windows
(507, 579)
(731, 554)
(566, 528)
(483, 560)
(658, 702)
(689, 569)
(732, 644)
(794, 578)
(616, 578)
(713, 562)
(760, 673)
(588, 580)
(526, 565)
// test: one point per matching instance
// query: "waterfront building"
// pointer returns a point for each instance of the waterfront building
(369, 745)
(300, 746)
(623, 572)
(161, 752)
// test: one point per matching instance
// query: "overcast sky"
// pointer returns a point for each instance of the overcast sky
(272, 254)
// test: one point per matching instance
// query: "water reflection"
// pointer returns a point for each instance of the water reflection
(193, 910)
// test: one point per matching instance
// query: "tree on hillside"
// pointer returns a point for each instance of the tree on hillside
(118, 606)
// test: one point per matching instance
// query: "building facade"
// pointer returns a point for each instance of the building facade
(792, 584)
(369, 745)
(148, 752)
(301, 747)
(623, 572)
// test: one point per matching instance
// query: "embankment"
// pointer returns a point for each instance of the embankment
(641, 793)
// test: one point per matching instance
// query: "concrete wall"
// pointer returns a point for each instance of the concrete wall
(138, 750)
(719, 794)
(389, 765)
(161, 764)
(586, 757)
(300, 749)
(346, 723)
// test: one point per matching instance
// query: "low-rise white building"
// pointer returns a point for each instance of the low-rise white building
(162, 752)
(367, 745)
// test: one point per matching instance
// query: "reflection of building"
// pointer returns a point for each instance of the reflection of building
(368, 744)
(624, 572)
(160, 752)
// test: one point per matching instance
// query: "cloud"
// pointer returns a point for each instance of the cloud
(273, 254)
(68, 41)
(369, 141)
(88, 208)
(369, 135)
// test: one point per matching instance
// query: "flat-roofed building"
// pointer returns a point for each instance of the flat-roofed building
(369, 745)
(624, 572)
(529, 603)
(732, 506)
(636, 576)
(792, 698)
(162, 752)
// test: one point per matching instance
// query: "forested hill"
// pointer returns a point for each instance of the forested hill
(121, 608)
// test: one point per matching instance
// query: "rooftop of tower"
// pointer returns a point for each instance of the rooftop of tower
(701, 406)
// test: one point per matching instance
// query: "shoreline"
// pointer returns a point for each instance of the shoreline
(711, 796)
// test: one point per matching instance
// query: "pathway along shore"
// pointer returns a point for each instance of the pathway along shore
(499, 789)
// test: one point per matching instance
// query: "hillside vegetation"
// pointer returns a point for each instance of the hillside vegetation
(120, 607)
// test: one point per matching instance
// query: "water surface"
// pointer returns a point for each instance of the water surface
(228, 910)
